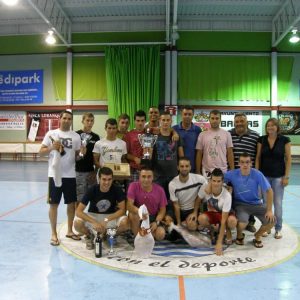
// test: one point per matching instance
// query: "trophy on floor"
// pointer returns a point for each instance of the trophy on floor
(147, 141)
(111, 232)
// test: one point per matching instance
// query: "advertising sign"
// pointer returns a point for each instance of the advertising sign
(21, 87)
(12, 120)
(227, 119)
(39, 123)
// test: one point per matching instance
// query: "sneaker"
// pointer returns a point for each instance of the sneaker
(89, 241)
(278, 235)
(251, 228)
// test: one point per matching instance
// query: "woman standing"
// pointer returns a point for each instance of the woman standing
(273, 159)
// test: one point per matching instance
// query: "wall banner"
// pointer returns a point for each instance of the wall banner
(289, 122)
(12, 120)
(227, 119)
(39, 123)
(21, 87)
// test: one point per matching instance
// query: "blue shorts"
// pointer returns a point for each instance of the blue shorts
(67, 189)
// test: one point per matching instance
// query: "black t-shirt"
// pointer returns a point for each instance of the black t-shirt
(272, 161)
(103, 203)
(86, 164)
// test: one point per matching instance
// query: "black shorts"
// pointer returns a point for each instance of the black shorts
(67, 189)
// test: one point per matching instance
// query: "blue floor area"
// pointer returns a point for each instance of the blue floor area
(31, 269)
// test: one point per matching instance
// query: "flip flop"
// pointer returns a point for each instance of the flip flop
(257, 244)
(73, 237)
(54, 242)
(240, 241)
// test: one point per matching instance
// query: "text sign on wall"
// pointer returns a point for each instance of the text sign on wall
(227, 119)
(12, 120)
(21, 87)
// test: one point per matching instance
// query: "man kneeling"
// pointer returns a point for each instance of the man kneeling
(106, 208)
(219, 206)
(153, 196)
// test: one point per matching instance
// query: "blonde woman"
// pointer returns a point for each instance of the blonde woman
(273, 159)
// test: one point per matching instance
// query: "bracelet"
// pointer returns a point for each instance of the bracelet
(157, 222)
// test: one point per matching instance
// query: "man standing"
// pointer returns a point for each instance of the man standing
(85, 175)
(247, 185)
(184, 189)
(244, 140)
(166, 153)
(68, 143)
(153, 116)
(123, 125)
(109, 149)
(106, 208)
(152, 195)
(214, 147)
(189, 133)
(134, 148)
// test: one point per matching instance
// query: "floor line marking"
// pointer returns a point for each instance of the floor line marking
(181, 287)
(21, 206)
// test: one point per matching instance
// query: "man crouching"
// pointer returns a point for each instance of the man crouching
(106, 208)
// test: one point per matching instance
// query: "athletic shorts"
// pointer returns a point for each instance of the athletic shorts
(67, 189)
(215, 217)
(100, 217)
(243, 211)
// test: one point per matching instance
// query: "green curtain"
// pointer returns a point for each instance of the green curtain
(132, 75)
(235, 78)
(284, 77)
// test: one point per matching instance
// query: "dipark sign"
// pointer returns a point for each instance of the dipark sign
(21, 87)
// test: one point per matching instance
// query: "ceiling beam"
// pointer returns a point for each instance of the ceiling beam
(285, 20)
(55, 17)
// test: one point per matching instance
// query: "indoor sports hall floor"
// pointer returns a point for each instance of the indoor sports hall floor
(31, 269)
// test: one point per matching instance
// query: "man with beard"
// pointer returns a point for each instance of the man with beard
(184, 190)
(62, 145)
(189, 133)
(214, 147)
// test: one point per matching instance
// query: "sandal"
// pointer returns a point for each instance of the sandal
(73, 236)
(228, 242)
(257, 244)
(240, 241)
(54, 242)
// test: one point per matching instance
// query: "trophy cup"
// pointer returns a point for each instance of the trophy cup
(111, 232)
(147, 141)
(61, 149)
(85, 137)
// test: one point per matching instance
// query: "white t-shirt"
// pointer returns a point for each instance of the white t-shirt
(71, 142)
(110, 151)
(214, 144)
(185, 193)
(220, 203)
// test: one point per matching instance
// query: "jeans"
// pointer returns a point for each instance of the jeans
(278, 190)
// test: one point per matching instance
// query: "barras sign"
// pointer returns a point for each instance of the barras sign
(21, 87)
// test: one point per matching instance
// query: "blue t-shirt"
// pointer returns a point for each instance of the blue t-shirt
(189, 138)
(247, 189)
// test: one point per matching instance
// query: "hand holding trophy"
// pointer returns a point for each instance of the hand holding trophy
(147, 141)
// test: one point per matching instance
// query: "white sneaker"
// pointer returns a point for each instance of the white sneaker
(278, 235)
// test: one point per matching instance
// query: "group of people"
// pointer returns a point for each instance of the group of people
(214, 180)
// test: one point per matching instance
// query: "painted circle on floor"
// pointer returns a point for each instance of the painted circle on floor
(170, 259)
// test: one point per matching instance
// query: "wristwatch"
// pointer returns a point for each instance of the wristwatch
(105, 220)
(157, 222)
